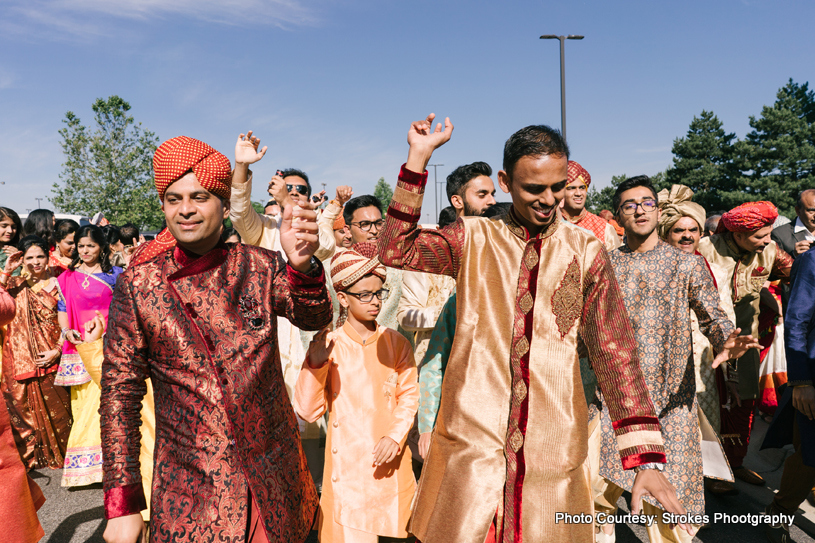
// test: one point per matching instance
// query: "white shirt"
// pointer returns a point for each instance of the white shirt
(799, 226)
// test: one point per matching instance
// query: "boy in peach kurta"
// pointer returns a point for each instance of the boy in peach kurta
(365, 376)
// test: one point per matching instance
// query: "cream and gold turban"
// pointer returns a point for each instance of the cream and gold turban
(350, 265)
(676, 204)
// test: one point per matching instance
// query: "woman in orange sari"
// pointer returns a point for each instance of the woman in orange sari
(40, 411)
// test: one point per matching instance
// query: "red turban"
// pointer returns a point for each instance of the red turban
(748, 217)
(576, 171)
(177, 156)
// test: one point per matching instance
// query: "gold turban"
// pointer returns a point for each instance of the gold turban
(676, 204)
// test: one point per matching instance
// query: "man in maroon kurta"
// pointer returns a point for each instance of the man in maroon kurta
(199, 318)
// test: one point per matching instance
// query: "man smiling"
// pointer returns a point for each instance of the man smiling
(198, 318)
(509, 448)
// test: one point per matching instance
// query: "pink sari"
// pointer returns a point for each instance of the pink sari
(83, 295)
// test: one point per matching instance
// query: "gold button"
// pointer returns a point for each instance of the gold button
(334, 478)
(336, 424)
(334, 450)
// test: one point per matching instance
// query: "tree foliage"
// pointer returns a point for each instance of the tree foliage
(384, 192)
(773, 162)
(703, 160)
(108, 167)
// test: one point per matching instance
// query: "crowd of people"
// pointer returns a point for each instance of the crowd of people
(503, 375)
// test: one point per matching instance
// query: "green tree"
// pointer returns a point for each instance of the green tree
(777, 157)
(384, 192)
(108, 168)
(703, 160)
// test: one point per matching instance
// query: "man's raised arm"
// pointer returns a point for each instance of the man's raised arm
(402, 244)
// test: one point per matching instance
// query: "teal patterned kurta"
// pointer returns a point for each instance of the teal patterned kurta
(660, 288)
(433, 365)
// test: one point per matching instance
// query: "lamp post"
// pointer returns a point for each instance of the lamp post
(436, 187)
(562, 75)
(39, 202)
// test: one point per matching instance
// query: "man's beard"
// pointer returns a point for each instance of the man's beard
(471, 211)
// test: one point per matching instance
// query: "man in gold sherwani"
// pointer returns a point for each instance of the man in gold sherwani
(510, 443)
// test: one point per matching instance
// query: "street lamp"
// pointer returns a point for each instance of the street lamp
(436, 187)
(562, 75)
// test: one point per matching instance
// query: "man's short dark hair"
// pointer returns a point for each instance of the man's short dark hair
(128, 233)
(630, 183)
(299, 173)
(457, 181)
(366, 200)
(447, 216)
(270, 203)
(536, 140)
(799, 202)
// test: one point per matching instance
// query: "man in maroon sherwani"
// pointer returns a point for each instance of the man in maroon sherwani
(199, 318)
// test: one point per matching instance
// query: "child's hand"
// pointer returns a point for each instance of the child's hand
(385, 451)
(94, 328)
(320, 348)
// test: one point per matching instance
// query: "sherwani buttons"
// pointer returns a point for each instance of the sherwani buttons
(336, 424)
(334, 450)
(224, 381)
(334, 479)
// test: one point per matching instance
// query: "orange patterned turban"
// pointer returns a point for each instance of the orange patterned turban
(339, 223)
(576, 171)
(177, 156)
(350, 265)
(748, 217)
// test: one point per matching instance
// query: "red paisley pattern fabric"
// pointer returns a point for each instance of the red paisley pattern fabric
(205, 331)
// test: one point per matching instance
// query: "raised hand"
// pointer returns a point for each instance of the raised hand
(94, 328)
(319, 350)
(344, 193)
(299, 237)
(14, 261)
(246, 149)
(423, 140)
(277, 190)
(735, 347)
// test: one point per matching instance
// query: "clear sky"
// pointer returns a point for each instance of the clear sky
(331, 86)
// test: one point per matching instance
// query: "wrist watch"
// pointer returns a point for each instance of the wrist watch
(659, 466)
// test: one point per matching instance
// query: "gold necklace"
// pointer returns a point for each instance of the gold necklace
(87, 281)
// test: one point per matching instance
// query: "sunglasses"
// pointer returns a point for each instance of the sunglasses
(302, 189)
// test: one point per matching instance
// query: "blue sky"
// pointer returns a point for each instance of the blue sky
(331, 86)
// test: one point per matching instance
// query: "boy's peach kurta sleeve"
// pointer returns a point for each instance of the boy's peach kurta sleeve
(407, 396)
(310, 401)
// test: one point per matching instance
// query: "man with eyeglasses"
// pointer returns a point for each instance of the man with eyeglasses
(743, 249)
(508, 453)
(661, 285)
(363, 215)
(288, 187)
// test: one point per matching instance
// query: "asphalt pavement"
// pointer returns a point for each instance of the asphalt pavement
(77, 516)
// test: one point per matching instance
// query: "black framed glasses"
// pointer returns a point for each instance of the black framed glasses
(629, 208)
(365, 226)
(302, 189)
(366, 297)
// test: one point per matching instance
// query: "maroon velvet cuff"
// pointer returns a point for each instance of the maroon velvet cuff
(630, 421)
(124, 500)
(634, 460)
(305, 281)
(412, 178)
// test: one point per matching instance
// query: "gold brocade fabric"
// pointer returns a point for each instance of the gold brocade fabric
(744, 276)
(466, 470)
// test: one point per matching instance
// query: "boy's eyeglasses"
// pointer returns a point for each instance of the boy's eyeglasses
(366, 297)
(631, 207)
(302, 189)
(365, 226)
